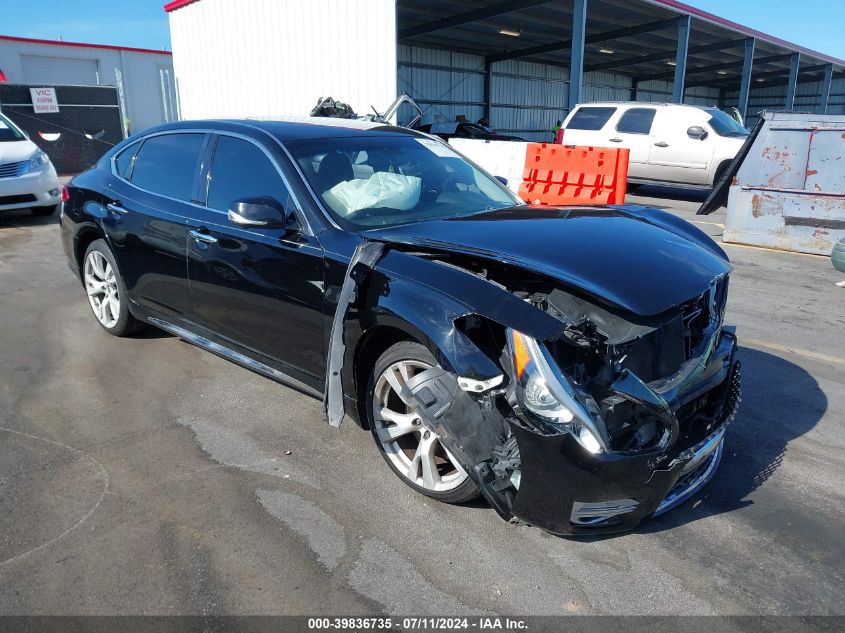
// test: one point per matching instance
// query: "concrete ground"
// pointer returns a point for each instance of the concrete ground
(147, 476)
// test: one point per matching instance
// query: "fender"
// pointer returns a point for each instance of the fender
(424, 297)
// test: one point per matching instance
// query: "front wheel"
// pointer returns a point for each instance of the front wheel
(413, 452)
(106, 291)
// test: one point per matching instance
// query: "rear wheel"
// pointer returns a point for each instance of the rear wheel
(413, 452)
(106, 291)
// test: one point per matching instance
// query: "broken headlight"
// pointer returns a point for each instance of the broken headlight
(548, 398)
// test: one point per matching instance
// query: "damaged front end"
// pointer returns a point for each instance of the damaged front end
(615, 419)
(569, 412)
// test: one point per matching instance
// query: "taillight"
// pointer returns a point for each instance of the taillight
(559, 140)
(65, 193)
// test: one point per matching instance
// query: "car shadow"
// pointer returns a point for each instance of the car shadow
(668, 192)
(23, 218)
(780, 402)
(150, 332)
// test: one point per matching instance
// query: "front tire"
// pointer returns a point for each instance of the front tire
(106, 291)
(413, 452)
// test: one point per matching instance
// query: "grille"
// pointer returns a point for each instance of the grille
(12, 170)
(27, 197)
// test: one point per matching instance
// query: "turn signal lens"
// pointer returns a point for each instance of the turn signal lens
(521, 356)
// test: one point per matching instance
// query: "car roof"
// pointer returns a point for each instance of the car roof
(294, 128)
(616, 104)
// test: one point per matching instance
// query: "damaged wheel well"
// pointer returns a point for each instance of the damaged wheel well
(373, 344)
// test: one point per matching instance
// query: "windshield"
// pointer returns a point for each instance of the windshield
(723, 124)
(9, 131)
(377, 181)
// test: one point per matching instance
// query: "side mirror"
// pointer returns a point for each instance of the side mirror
(502, 180)
(262, 211)
(697, 132)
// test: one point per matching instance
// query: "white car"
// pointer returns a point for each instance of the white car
(27, 177)
(682, 145)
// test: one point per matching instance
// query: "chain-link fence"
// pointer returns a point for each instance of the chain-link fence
(88, 123)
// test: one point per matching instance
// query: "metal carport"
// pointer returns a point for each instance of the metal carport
(511, 60)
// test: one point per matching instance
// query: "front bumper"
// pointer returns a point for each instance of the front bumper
(564, 489)
(39, 188)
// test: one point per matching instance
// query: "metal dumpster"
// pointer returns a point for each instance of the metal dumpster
(789, 189)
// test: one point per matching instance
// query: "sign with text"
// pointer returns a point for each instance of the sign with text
(44, 100)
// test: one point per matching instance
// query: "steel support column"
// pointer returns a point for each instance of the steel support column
(793, 80)
(576, 55)
(745, 85)
(488, 86)
(684, 24)
(825, 96)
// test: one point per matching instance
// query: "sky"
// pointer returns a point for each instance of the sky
(816, 24)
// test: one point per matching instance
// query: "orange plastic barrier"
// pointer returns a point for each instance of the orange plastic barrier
(560, 174)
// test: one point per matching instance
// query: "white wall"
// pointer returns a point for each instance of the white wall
(265, 58)
(35, 62)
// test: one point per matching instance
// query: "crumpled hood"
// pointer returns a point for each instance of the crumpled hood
(639, 259)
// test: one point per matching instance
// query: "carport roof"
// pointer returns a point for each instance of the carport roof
(642, 35)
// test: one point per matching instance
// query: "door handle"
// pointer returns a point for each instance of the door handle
(615, 139)
(115, 207)
(661, 144)
(199, 236)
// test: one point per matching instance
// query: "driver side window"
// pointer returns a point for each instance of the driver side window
(240, 169)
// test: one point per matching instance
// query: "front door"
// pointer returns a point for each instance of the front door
(259, 287)
(675, 156)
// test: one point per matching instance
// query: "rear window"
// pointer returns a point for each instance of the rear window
(590, 118)
(636, 121)
(123, 161)
(167, 164)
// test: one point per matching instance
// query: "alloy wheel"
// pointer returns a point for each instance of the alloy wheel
(414, 451)
(101, 286)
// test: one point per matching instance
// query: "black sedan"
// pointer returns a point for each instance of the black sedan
(568, 364)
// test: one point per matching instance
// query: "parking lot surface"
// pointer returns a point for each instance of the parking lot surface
(146, 476)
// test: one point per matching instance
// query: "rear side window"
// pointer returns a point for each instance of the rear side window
(240, 170)
(636, 121)
(590, 118)
(123, 162)
(167, 164)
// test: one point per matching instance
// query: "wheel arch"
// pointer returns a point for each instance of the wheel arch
(720, 170)
(84, 238)
(370, 346)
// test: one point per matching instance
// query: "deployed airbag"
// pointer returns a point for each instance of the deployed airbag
(382, 189)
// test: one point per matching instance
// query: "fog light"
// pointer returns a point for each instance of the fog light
(53, 193)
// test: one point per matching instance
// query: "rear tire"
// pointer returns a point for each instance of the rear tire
(43, 212)
(412, 452)
(106, 291)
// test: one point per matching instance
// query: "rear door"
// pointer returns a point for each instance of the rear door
(261, 288)
(589, 125)
(146, 209)
(674, 155)
(633, 130)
